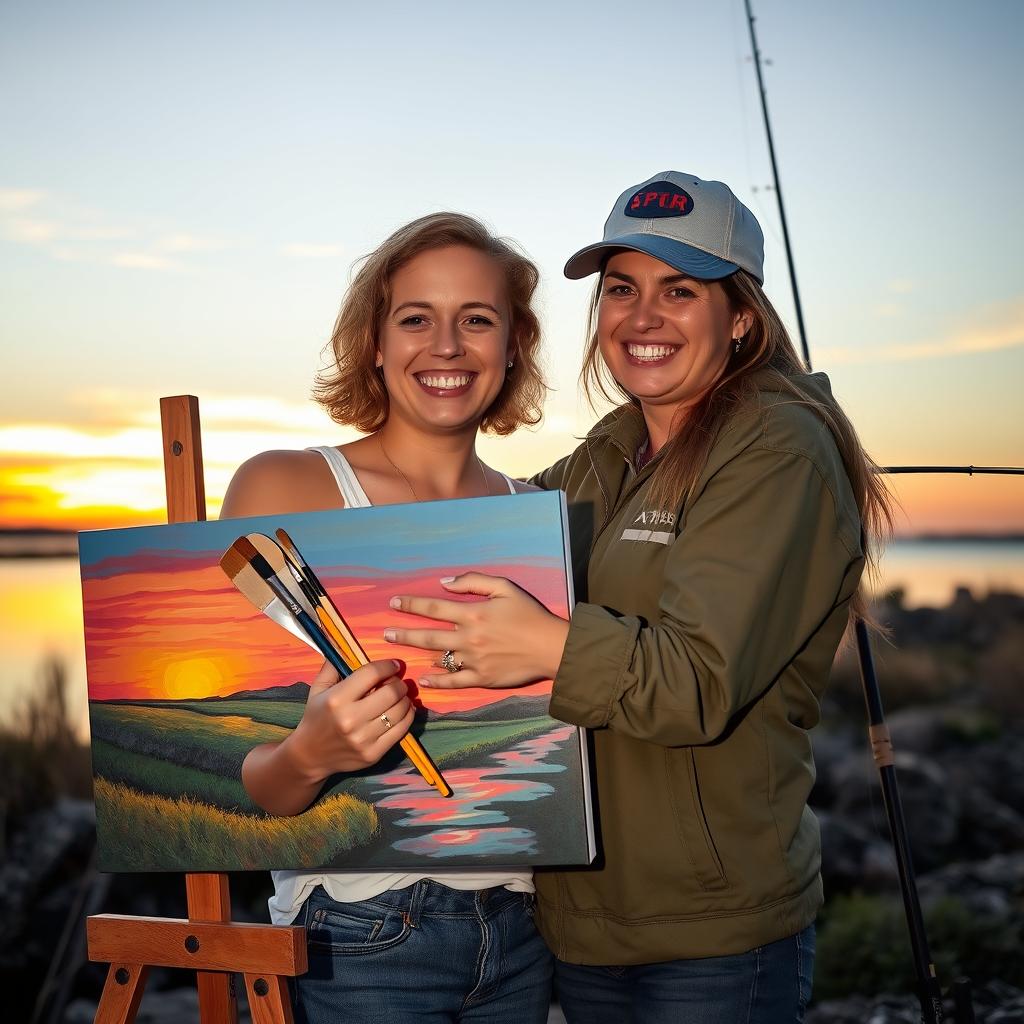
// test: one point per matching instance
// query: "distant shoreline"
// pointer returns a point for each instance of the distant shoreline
(26, 543)
(959, 538)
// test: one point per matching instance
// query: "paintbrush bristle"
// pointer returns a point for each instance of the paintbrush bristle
(294, 555)
(277, 561)
(282, 536)
(233, 562)
(238, 568)
(270, 550)
(254, 587)
(245, 548)
(292, 558)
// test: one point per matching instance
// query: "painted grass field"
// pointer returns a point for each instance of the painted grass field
(150, 831)
(169, 795)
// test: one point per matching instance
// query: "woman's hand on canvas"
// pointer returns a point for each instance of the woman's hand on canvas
(508, 640)
(345, 725)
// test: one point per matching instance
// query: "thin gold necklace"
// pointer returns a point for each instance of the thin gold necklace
(408, 482)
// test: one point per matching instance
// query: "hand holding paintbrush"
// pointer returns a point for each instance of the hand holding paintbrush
(292, 579)
(351, 718)
(346, 643)
(340, 731)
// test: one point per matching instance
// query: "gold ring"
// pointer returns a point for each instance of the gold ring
(448, 662)
(387, 722)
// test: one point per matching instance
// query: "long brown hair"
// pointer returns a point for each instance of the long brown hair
(353, 391)
(766, 348)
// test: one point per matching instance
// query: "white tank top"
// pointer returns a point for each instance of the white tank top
(292, 887)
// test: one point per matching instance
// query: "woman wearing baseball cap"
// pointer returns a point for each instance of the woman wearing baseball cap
(720, 525)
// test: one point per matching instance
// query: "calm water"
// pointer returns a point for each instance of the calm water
(478, 804)
(40, 603)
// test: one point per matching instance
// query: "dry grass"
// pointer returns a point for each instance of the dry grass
(41, 758)
(907, 677)
(1001, 673)
(146, 832)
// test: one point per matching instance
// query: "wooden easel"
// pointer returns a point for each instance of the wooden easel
(208, 942)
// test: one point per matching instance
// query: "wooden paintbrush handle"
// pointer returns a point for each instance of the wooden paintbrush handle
(413, 748)
(420, 761)
(351, 658)
(428, 770)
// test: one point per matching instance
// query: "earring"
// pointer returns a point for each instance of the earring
(510, 365)
(737, 344)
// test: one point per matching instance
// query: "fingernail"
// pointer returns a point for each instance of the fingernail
(389, 635)
(397, 665)
(447, 579)
(424, 682)
(395, 602)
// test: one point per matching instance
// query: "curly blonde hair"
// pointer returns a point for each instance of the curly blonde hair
(352, 390)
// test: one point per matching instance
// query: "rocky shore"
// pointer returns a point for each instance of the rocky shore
(953, 686)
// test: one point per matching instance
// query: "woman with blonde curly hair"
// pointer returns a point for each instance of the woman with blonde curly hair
(436, 340)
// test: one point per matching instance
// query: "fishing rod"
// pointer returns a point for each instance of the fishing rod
(969, 470)
(929, 992)
(778, 189)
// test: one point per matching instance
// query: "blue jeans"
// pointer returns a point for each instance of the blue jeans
(427, 953)
(767, 985)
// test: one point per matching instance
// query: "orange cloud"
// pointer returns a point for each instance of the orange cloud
(957, 503)
(995, 329)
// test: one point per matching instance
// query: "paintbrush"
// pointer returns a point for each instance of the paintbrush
(251, 584)
(306, 571)
(275, 571)
(243, 553)
(304, 593)
(412, 746)
(271, 551)
(285, 572)
(263, 584)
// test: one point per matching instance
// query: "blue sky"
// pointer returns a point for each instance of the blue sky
(184, 186)
(522, 528)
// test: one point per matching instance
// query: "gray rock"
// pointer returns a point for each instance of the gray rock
(993, 887)
(35, 855)
(994, 1003)
(884, 1009)
(931, 807)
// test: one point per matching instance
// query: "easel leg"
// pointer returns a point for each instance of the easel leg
(209, 900)
(268, 999)
(122, 993)
(217, 1002)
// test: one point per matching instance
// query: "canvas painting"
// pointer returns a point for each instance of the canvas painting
(186, 676)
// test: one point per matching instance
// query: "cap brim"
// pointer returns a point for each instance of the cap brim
(678, 255)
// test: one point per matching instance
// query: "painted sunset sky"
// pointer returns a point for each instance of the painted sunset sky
(163, 622)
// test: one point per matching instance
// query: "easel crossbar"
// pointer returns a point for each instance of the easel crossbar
(173, 942)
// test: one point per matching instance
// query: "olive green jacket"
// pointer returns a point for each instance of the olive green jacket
(697, 655)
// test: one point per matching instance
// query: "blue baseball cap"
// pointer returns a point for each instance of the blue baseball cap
(698, 227)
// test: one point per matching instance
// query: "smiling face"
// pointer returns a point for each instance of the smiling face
(665, 337)
(443, 342)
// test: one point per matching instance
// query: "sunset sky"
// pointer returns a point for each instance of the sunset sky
(184, 187)
(163, 622)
